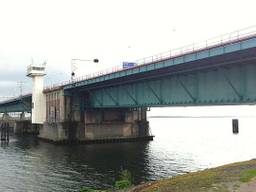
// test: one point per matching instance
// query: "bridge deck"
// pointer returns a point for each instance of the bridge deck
(19, 104)
(221, 49)
(235, 47)
(192, 53)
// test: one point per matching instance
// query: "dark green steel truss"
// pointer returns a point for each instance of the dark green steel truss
(233, 84)
(219, 75)
(20, 104)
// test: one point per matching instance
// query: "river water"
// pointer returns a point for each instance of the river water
(180, 145)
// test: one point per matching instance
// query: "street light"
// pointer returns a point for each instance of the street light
(73, 66)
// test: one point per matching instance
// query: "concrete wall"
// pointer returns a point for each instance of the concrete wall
(62, 131)
(115, 123)
(56, 126)
(111, 130)
(20, 125)
(38, 101)
(66, 121)
(25, 127)
(55, 106)
(53, 132)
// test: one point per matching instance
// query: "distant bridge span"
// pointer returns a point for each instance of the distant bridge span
(19, 104)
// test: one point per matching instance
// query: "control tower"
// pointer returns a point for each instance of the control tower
(37, 73)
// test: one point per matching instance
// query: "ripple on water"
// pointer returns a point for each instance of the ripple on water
(31, 165)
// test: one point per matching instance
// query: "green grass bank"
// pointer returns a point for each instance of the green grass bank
(235, 177)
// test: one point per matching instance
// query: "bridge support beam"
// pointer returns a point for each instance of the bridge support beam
(116, 123)
(20, 124)
(69, 120)
(99, 125)
(6, 117)
(25, 127)
(22, 116)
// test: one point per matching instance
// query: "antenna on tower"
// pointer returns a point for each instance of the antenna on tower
(44, 63)
(20, 85)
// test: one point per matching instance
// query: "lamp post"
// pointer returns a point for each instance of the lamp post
(73, 66)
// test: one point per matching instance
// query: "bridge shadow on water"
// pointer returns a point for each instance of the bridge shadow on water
(74, 166)
(180, 146)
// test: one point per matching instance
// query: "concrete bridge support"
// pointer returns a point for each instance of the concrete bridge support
(6, 118)
(25, 127)
(67, 120)
(116, 123)
(20, 125)
(99, 125)
(4, 131)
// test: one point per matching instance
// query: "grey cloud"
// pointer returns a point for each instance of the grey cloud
(9, 81)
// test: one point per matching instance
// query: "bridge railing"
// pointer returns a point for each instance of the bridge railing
(207, 44)
(228, 38)
(11, 99)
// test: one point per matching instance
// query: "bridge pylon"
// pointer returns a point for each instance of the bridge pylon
(37, 73)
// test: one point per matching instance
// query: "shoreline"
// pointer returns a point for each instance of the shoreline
(234, 177)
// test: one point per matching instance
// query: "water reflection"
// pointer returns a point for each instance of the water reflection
(180, 146)
(40, 166)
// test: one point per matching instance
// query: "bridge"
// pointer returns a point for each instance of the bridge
(113, 104)
(19, 104)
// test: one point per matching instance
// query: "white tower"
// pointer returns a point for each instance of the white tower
(37, 73)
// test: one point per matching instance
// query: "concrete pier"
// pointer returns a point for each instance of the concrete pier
(25, 127)
(116, 123)
(19, 125)
(107, 124)
(65, 121)
(4, 131)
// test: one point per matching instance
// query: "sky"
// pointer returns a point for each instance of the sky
(112, 31)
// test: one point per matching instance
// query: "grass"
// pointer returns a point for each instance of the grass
(85, 189)
(125, 181)
(247, 175)
(220, 179)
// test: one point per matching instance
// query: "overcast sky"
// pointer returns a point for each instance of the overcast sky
(112, 31)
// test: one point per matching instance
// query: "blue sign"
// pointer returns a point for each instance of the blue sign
(127, 65)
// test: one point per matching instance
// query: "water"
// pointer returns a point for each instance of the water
(181, 145)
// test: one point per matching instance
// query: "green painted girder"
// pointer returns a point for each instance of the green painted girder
(220, 75)
(220, 50)
(218, 79)
(232, 84)
(20, 104)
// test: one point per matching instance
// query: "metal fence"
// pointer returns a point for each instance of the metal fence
(222, 40)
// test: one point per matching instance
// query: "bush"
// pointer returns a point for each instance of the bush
(126, 175)
(122, 184)
(125, 180)
(247, 175)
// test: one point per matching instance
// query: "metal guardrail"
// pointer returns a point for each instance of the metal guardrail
(3, 98)
(15, 98)
(222, 40)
